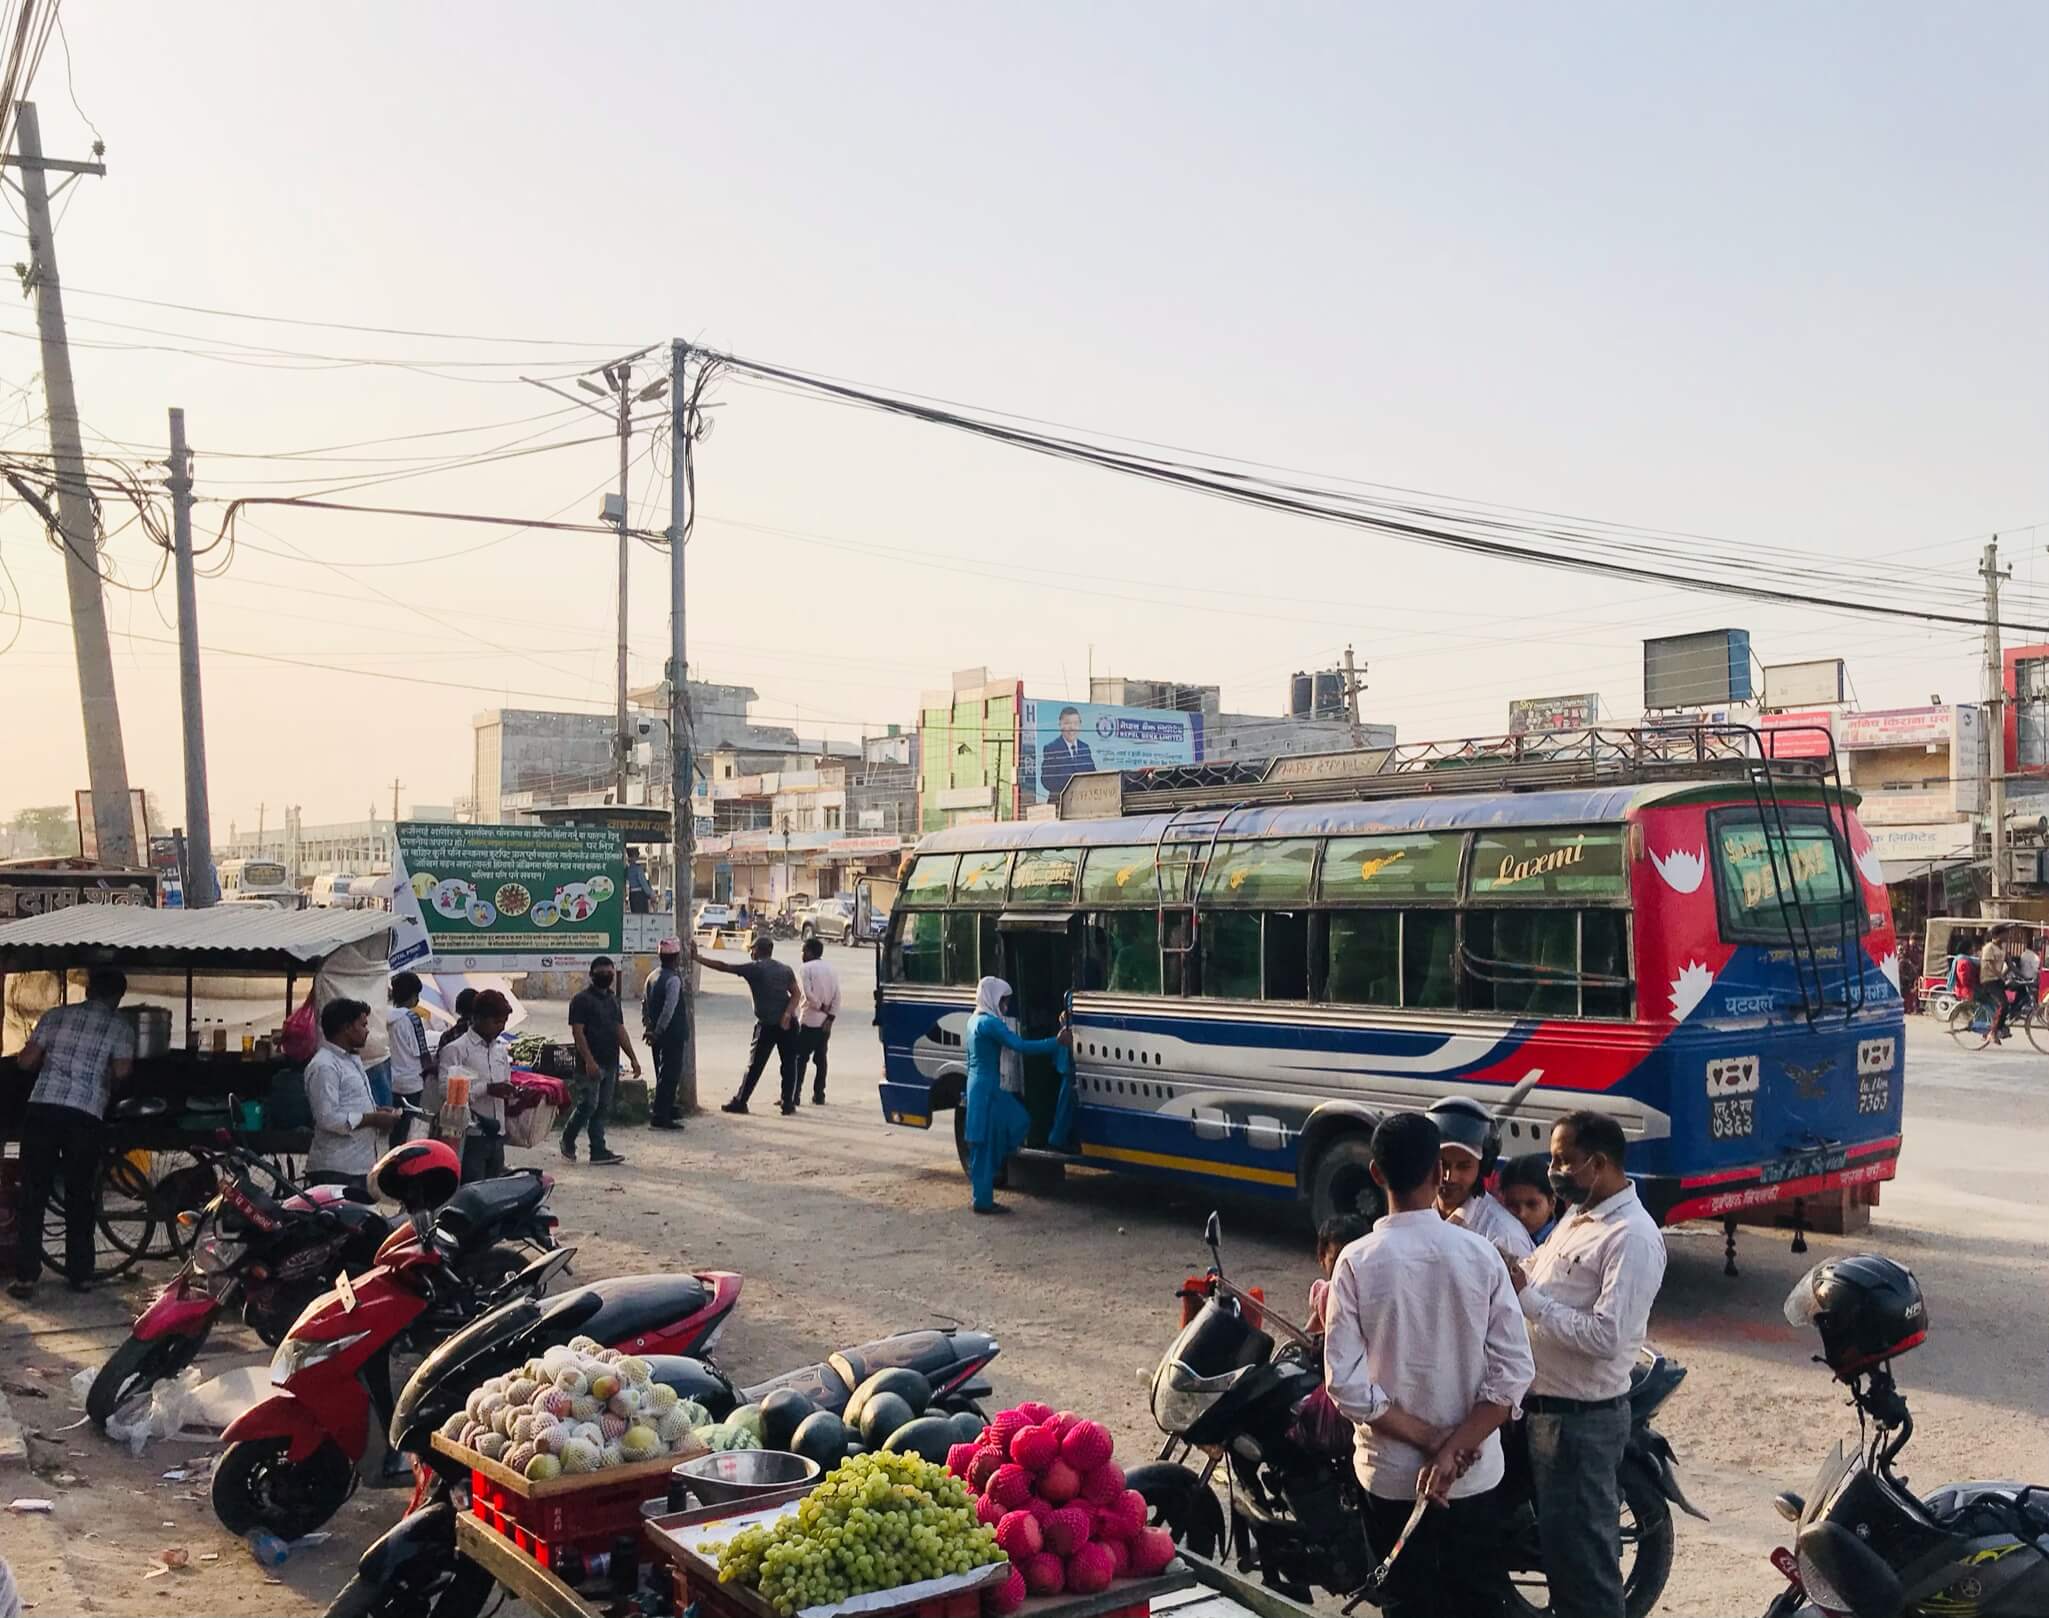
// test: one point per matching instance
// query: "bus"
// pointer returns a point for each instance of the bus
(1260, 962)
(258, 879)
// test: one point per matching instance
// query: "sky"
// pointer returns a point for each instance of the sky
(1767, 274)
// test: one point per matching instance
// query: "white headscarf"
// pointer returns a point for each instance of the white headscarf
(990, 994)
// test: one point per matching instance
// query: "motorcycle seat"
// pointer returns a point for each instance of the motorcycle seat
(634, 1306)
(925, 1352)
(472, 1216)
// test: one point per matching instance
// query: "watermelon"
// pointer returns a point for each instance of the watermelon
(821, 1437)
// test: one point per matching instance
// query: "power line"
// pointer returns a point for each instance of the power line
(343, 325)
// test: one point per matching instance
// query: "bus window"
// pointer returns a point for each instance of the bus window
(983, 877)
(919, 947)
(1286, 955)
(1750, 872)
(1119, 876)
(930, 881)
(988, 962)
(1365, 956)
(1574, 862)
(1125, 947)
(1412, 866)
(1044, 876)
(960, 948)
(1604, 954)
(1428, 938)
(1259, 873)
(1523, 962)
(1230, 954)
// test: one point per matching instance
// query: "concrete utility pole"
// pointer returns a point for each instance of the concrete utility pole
(106, 760)
(197, 863)
(622, 741)
(1352, 698)
(396, 783)
(1995, 719)
(681, 807)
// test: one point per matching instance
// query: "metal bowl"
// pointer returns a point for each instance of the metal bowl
(740, 1475)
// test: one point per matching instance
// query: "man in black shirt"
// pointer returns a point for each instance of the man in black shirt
(774, 987)
(599, 1027)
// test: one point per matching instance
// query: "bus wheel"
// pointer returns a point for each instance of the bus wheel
(1342, 1181)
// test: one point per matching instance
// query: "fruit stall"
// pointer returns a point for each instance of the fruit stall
(187, 1089)
(594, 1487)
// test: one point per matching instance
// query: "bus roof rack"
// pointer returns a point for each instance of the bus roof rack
(1530, 762)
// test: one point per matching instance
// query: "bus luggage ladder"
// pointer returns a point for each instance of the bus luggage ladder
(1192, 872)
(1771, 818)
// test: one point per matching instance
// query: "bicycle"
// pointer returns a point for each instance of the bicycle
(1972, 1019)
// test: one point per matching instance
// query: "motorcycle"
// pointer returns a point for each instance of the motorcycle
(1868, 1548)
(268, 1252)
(415, 1570)
(291, 1460)
(1225, 1392)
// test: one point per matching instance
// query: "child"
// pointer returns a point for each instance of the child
(1335, 1235)
(1526, 1193)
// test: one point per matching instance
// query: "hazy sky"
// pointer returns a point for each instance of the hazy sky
(1769, 273)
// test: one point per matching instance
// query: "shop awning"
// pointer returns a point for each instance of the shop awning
(236, 938)
(1898, 871)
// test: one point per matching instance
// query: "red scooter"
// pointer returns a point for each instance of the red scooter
(291, 1460)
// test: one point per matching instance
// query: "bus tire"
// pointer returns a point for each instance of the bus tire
(1341, 1182)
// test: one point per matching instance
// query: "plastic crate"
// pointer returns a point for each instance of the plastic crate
(547, 1520)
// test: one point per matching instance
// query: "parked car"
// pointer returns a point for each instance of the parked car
(831, 919)
(714, 918)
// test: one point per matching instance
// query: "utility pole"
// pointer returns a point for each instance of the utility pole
(396, 783)
(1995, 720)
(106, 760)
(1352, 697)
(197, 864)
(622, 742)
(681, 807)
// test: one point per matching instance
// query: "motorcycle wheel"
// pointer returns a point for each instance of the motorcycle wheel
(134, 1368)
(256, 1485)
(1646, 1553)
(456, 1589)
(1180, 1502)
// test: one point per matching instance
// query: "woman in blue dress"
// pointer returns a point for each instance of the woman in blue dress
(997, 1122)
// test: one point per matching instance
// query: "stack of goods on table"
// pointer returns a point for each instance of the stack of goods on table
(533, 1106)
(1047, 1483)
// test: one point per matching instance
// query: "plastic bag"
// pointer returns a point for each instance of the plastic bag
(301, 1034)
(157, 1414)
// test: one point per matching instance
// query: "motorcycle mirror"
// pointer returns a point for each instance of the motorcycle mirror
(1213, 1234)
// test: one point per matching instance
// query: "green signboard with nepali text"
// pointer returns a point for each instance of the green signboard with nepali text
(507, 898)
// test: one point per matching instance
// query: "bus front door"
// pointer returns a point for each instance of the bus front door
(1041, 957)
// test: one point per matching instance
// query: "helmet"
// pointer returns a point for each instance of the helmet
(1469, 1126)
(419, 1174)
(1866, 1308)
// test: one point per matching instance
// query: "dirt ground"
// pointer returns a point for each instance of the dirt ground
(847, 1229)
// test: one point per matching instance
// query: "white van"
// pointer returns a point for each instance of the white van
(333, 892)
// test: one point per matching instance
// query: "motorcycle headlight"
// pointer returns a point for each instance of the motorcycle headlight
(296, 1354)
(1181, 1398)
(213, 1256)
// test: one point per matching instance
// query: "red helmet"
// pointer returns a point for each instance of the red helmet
(419, 1174)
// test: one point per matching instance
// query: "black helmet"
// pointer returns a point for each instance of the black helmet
(1464, 1122)
(1866, 1308)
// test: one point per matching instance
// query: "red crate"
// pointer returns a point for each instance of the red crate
(546, 1520)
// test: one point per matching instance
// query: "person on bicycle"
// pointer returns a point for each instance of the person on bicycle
(1992, 984)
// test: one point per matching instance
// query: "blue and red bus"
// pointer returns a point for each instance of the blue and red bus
(1678, 931)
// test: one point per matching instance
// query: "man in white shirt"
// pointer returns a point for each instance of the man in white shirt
(1470, 1147)
(489, 1065)
(1587, 1295)
(412, 1056)
(1427, 1355)
(349, 1128)
(821, 1004)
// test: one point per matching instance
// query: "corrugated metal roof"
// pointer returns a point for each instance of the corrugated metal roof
(246, 933)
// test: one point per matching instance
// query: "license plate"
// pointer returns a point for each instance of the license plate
(1788, 1564)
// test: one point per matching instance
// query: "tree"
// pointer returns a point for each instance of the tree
(45, 833)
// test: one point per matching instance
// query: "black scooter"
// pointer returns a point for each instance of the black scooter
(415, 1570)
(1226, 1393)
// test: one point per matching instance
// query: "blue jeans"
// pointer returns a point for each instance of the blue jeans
(593, 1101)
(1575, 1467)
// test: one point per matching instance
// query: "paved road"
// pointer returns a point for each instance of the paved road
(847, 1229)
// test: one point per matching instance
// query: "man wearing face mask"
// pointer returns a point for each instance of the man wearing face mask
(1586, 1295)
(599, 1028)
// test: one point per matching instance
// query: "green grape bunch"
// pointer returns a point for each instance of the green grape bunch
(874, 1523)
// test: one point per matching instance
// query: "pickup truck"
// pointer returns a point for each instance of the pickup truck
(831, 919)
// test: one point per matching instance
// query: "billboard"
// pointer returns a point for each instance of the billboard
(1060, 740)
(1797, 735)
(1530, 715)
(1897, 727)
(88, 826)
(506, 898)
(1816, 684)
(26, 891)
(1710, 669)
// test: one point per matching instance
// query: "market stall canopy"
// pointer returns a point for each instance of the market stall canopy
(230, 939)
(1896, 871)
